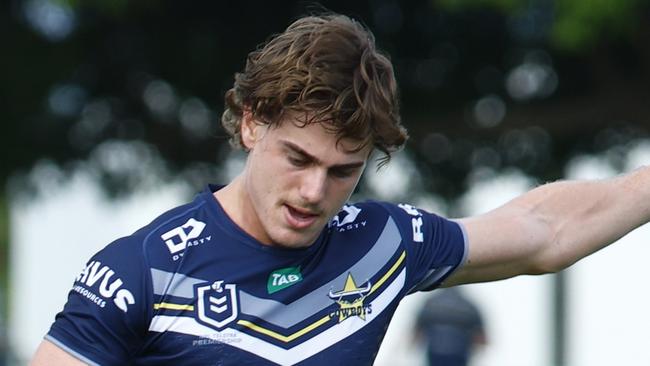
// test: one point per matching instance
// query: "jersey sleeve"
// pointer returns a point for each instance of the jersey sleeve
(105, 318)
(435, 246)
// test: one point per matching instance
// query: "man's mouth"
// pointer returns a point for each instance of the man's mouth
(299, 218)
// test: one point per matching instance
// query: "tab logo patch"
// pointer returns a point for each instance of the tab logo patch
(283, 278)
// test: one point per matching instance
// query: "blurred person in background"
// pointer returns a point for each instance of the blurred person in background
(276, 267)
(451, 327)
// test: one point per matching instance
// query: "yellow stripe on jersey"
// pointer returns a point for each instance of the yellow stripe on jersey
(281, 337)
(389, 273)
(170, 306)
(323, 320)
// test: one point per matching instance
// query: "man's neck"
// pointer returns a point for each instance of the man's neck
(235, 201)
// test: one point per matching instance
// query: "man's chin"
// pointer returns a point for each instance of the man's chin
(294, 240)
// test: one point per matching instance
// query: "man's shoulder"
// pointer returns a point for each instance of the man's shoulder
(169, 232)
(372, 209)
(351, 213)
(363, 220)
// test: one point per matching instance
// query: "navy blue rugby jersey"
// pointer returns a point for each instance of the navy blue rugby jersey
(192, 288)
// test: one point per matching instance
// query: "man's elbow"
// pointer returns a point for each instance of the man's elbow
(545, 267)
(553, 257)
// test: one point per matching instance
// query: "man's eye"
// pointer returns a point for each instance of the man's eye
(341, 173)
(297, 161)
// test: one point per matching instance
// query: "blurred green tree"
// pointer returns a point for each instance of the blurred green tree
(79, 73)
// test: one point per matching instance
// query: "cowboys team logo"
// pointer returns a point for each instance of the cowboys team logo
(350, 300)
(217, 304)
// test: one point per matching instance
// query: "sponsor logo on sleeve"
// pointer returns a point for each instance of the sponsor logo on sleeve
(416, 221)
(186, 235)
(96, 277)
(346, 219)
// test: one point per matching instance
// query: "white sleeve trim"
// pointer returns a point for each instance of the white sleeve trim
(436, 274)
(466, 242)
(71, 351)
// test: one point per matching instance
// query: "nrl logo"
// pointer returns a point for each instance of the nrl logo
(217, 304)
(350, 300)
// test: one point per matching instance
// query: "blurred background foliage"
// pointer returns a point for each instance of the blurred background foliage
(492, 83)
(571, 25)
(484, 83)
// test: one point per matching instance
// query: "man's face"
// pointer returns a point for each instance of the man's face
(297, 179)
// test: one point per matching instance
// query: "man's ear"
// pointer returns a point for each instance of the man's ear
(250, 130)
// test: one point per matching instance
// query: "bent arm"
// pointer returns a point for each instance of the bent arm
(49, 354)
(553, 226)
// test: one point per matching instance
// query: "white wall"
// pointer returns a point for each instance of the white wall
(608, 315)
(54, 235)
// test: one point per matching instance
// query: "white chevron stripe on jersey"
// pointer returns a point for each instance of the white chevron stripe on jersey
(300, 352)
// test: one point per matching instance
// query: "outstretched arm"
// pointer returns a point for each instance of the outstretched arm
(553, 226)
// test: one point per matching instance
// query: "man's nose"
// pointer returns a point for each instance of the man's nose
(314, 185)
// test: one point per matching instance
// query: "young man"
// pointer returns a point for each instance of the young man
(275, 267)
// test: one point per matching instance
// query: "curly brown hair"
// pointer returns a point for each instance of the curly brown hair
(328, 67)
